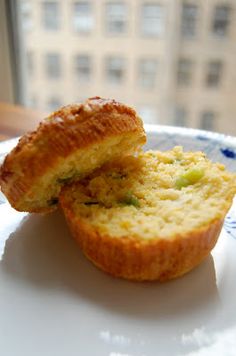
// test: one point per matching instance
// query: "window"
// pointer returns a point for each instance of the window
(152, 20)
(53, 104)
(157, 55)
(189, 20)
(208, 120)
(50, 12)
(115, 69)
(214, 73)
(148, 114)
(147, 73)
(180, 117)
(53, 65)
(116, 17)
(221, 20)
(26, 15)
(82, 17)
(184, 71)
(83, 67)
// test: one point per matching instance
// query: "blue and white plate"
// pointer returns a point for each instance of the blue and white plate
(53, 302)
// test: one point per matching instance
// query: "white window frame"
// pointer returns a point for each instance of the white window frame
(110, 18)
(78, 75)
(45, 19)
(185, 67)
(147, 18)
(112, 63)
(26, 7)
(213, 73)
(188, 20)
(147, 72)
(216, 17)
(85, 28)
(56, 73)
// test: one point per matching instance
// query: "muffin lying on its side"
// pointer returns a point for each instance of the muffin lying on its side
(67, 145)
(153, 217)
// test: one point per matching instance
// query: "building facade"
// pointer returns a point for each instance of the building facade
(172, 60)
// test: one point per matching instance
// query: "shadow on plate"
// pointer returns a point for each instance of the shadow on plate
(41, 252)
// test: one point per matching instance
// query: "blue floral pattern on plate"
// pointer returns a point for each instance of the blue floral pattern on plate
(230, 225)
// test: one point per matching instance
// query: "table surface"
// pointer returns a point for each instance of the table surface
(17, 120)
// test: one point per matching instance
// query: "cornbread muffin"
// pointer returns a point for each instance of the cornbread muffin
(150, 217)
(66, 146)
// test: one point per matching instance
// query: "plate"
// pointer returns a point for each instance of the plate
(53, 302)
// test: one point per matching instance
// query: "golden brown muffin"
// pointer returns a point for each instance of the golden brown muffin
(66, 146)
(151, 217)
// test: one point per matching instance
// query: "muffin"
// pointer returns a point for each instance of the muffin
(151, 217)
(67, 146)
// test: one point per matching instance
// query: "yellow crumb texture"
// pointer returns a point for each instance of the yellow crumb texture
(151, 217)
(140, 196)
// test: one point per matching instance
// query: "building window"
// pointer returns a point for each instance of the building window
(83, 67)
(26, 15)
(189, 20)
(30, 63)
(53, 65)
(221, 20)
(148, 114)
(184, 71)
(115, 69)
(208, 121)
(53, 104)
(147, 73)
(214, 73)
(180, 117)
(83, 21)
(116, 18)
(50, 12)
(152, 19)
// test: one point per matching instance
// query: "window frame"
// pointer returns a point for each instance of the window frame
(92, 16)
(184, 21)
(48, 66)
(142, 72)
(162, 23)
(87, 78)
(30, 25)
(184, 77)
(215, 33)
(107, 19)
(107, 69)
(44, 17)
(210, 83)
